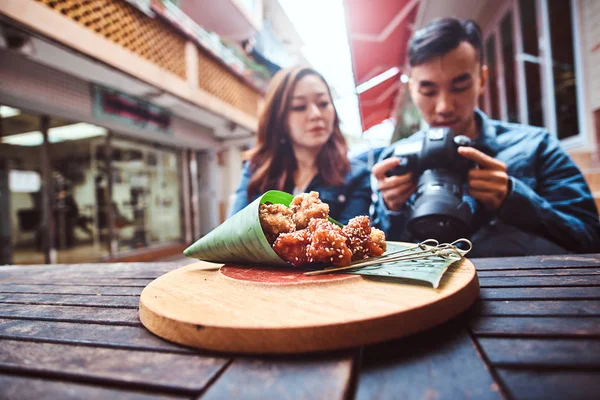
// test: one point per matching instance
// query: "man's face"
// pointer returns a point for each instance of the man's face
(446, 89)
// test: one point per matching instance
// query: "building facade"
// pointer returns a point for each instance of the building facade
(122, 125)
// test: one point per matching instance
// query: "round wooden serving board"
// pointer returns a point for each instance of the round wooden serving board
(262, 310)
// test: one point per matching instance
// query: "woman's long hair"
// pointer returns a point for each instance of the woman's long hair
(272, 161)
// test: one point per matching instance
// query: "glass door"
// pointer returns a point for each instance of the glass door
(21, 191)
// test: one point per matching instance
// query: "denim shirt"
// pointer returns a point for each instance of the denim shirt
(548, 195)
(345, 201)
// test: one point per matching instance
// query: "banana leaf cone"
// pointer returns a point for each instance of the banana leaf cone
(240, 239)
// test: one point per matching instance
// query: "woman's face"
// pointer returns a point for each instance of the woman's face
(311, 114)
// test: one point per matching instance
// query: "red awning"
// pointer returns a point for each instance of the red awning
(378, 31)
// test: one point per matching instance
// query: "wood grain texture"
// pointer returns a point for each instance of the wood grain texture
(75, 289)
(539, 272)
(551, 385)
(547, 281)
(537, 326)
(529, 262)
(162, 371)
(547, 308)
(441, 363)
(542, 352)
(318, 377)
(71, 313)
(72, 281)
(202, 308)
(20, 387)
(541, 293)
(127, 337)
(71, 300)
(125, 270)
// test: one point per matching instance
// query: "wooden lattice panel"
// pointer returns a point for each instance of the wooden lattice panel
(219, 81)
(122, 24)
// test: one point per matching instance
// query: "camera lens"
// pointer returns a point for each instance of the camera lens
(439, 211)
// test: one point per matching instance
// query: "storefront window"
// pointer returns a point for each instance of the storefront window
(506, 40)
(146, 195)
(21, 184)
(533, 80)
(563, 68)
(490, 54)
(81, 226)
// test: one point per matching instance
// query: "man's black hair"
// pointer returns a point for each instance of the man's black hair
(441, 36)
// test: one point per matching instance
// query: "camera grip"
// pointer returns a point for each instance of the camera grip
(400, 169)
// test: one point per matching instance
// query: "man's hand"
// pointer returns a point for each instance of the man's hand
(395, 190)
(489, 183)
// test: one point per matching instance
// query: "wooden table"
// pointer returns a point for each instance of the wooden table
(72, 331)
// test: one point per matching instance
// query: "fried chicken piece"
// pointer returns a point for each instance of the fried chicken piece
(328, 244)
(291, 247)
(358, 232)
(377, 244)
(307, 206)
(275, 219)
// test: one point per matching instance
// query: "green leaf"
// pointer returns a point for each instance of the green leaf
(429, 269)
(240, 239)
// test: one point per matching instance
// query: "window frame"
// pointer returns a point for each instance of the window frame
(544, 59)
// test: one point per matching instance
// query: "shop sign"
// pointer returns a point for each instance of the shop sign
(110, 104)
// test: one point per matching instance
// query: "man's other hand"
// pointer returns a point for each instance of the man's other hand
(396, 189)
(489, 183)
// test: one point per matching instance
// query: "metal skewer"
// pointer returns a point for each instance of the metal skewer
(443, 250)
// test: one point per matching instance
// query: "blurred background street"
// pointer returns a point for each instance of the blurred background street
(123, 122)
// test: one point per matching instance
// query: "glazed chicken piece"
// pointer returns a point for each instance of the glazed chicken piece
(377, 244)
(358, 232)
(275, 219)
(291, 247)
(302, 234)
(328, 244)
(307, 206)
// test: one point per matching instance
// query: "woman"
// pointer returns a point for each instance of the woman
(300, 148)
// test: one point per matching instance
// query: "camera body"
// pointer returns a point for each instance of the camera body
(441, 210)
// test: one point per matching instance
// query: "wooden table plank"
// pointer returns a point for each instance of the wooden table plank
(82, 281)
(535, 281)
(536, 326)
(22, 387)
(167, 372)
(82, 270)
(548, 308)
(75, 289)
(541, 293)
(305, 377)
(71, 300)
(551, 385)
(439, 363)
(559, 261)
(113, 316)
(542, 352)
(539, 272)
(129, 337)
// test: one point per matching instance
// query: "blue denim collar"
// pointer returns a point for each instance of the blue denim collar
(487, 133)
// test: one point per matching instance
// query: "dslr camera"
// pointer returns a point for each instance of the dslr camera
(441, 209)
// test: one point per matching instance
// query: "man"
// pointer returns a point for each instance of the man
(531, 197)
